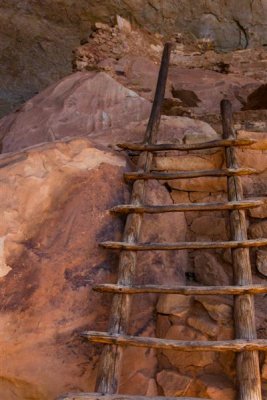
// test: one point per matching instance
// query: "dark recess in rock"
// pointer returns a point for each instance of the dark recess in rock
(188, 97)
(257, 100)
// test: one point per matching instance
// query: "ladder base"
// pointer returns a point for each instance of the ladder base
(100, 396)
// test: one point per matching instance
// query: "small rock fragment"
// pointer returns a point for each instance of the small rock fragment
(173, 383)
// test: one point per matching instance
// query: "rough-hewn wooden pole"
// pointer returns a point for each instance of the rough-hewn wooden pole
(187, 147)
(236, 345)
(248, 372)
(109, 369)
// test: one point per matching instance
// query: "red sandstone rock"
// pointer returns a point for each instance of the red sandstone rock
(218, 311)
(50, 258)
(174, 304)
(173, 384)
(211, 270)
(93, 105)
(83, 104)
(204, 325)
(209, 226)
(187, 361)
(210, 87)
(219, 387)
(258, 230)
(55, 201)
(191, 161)
(199, 184)
(53, 219)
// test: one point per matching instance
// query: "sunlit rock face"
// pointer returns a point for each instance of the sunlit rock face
(55, 201)
(37, 37)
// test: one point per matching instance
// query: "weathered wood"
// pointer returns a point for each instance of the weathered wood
(235, 244)
(101, 396)
(185, 290)
(248, 372)
(110, 364)
(133, 176)
(179, 345)
(183, 207)
(187, 147)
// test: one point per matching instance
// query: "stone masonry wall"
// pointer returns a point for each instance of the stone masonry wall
(211, 375)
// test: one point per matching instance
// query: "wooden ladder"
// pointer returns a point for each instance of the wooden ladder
(245, 344)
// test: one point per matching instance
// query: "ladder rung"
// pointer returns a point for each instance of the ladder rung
(231, 205)
(187, 147)
(184, 245)
(236, 345)
(133, 176)
(185, 290)
(101, 396)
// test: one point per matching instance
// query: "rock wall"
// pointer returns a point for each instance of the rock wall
(37, 38)
(53, 218)
(210, 375)
(55, 201)
(54, 204)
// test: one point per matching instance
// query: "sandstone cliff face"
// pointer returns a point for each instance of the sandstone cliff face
(55, 201)
(37, 37)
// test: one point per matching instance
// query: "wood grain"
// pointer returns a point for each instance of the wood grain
(185, 290)
(186, 147)
(248, 372)
(183, 207)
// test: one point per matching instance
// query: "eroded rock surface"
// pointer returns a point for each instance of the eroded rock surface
(211, 375)
(55, 202)
(96, 106)
(55, 199)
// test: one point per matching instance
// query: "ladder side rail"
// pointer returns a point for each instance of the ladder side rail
(247, 363)
(110, 363)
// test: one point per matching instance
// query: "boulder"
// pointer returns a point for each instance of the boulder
(94, 105)
(55, 201)
(52, 222)
(210, 88)
(190, 162)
